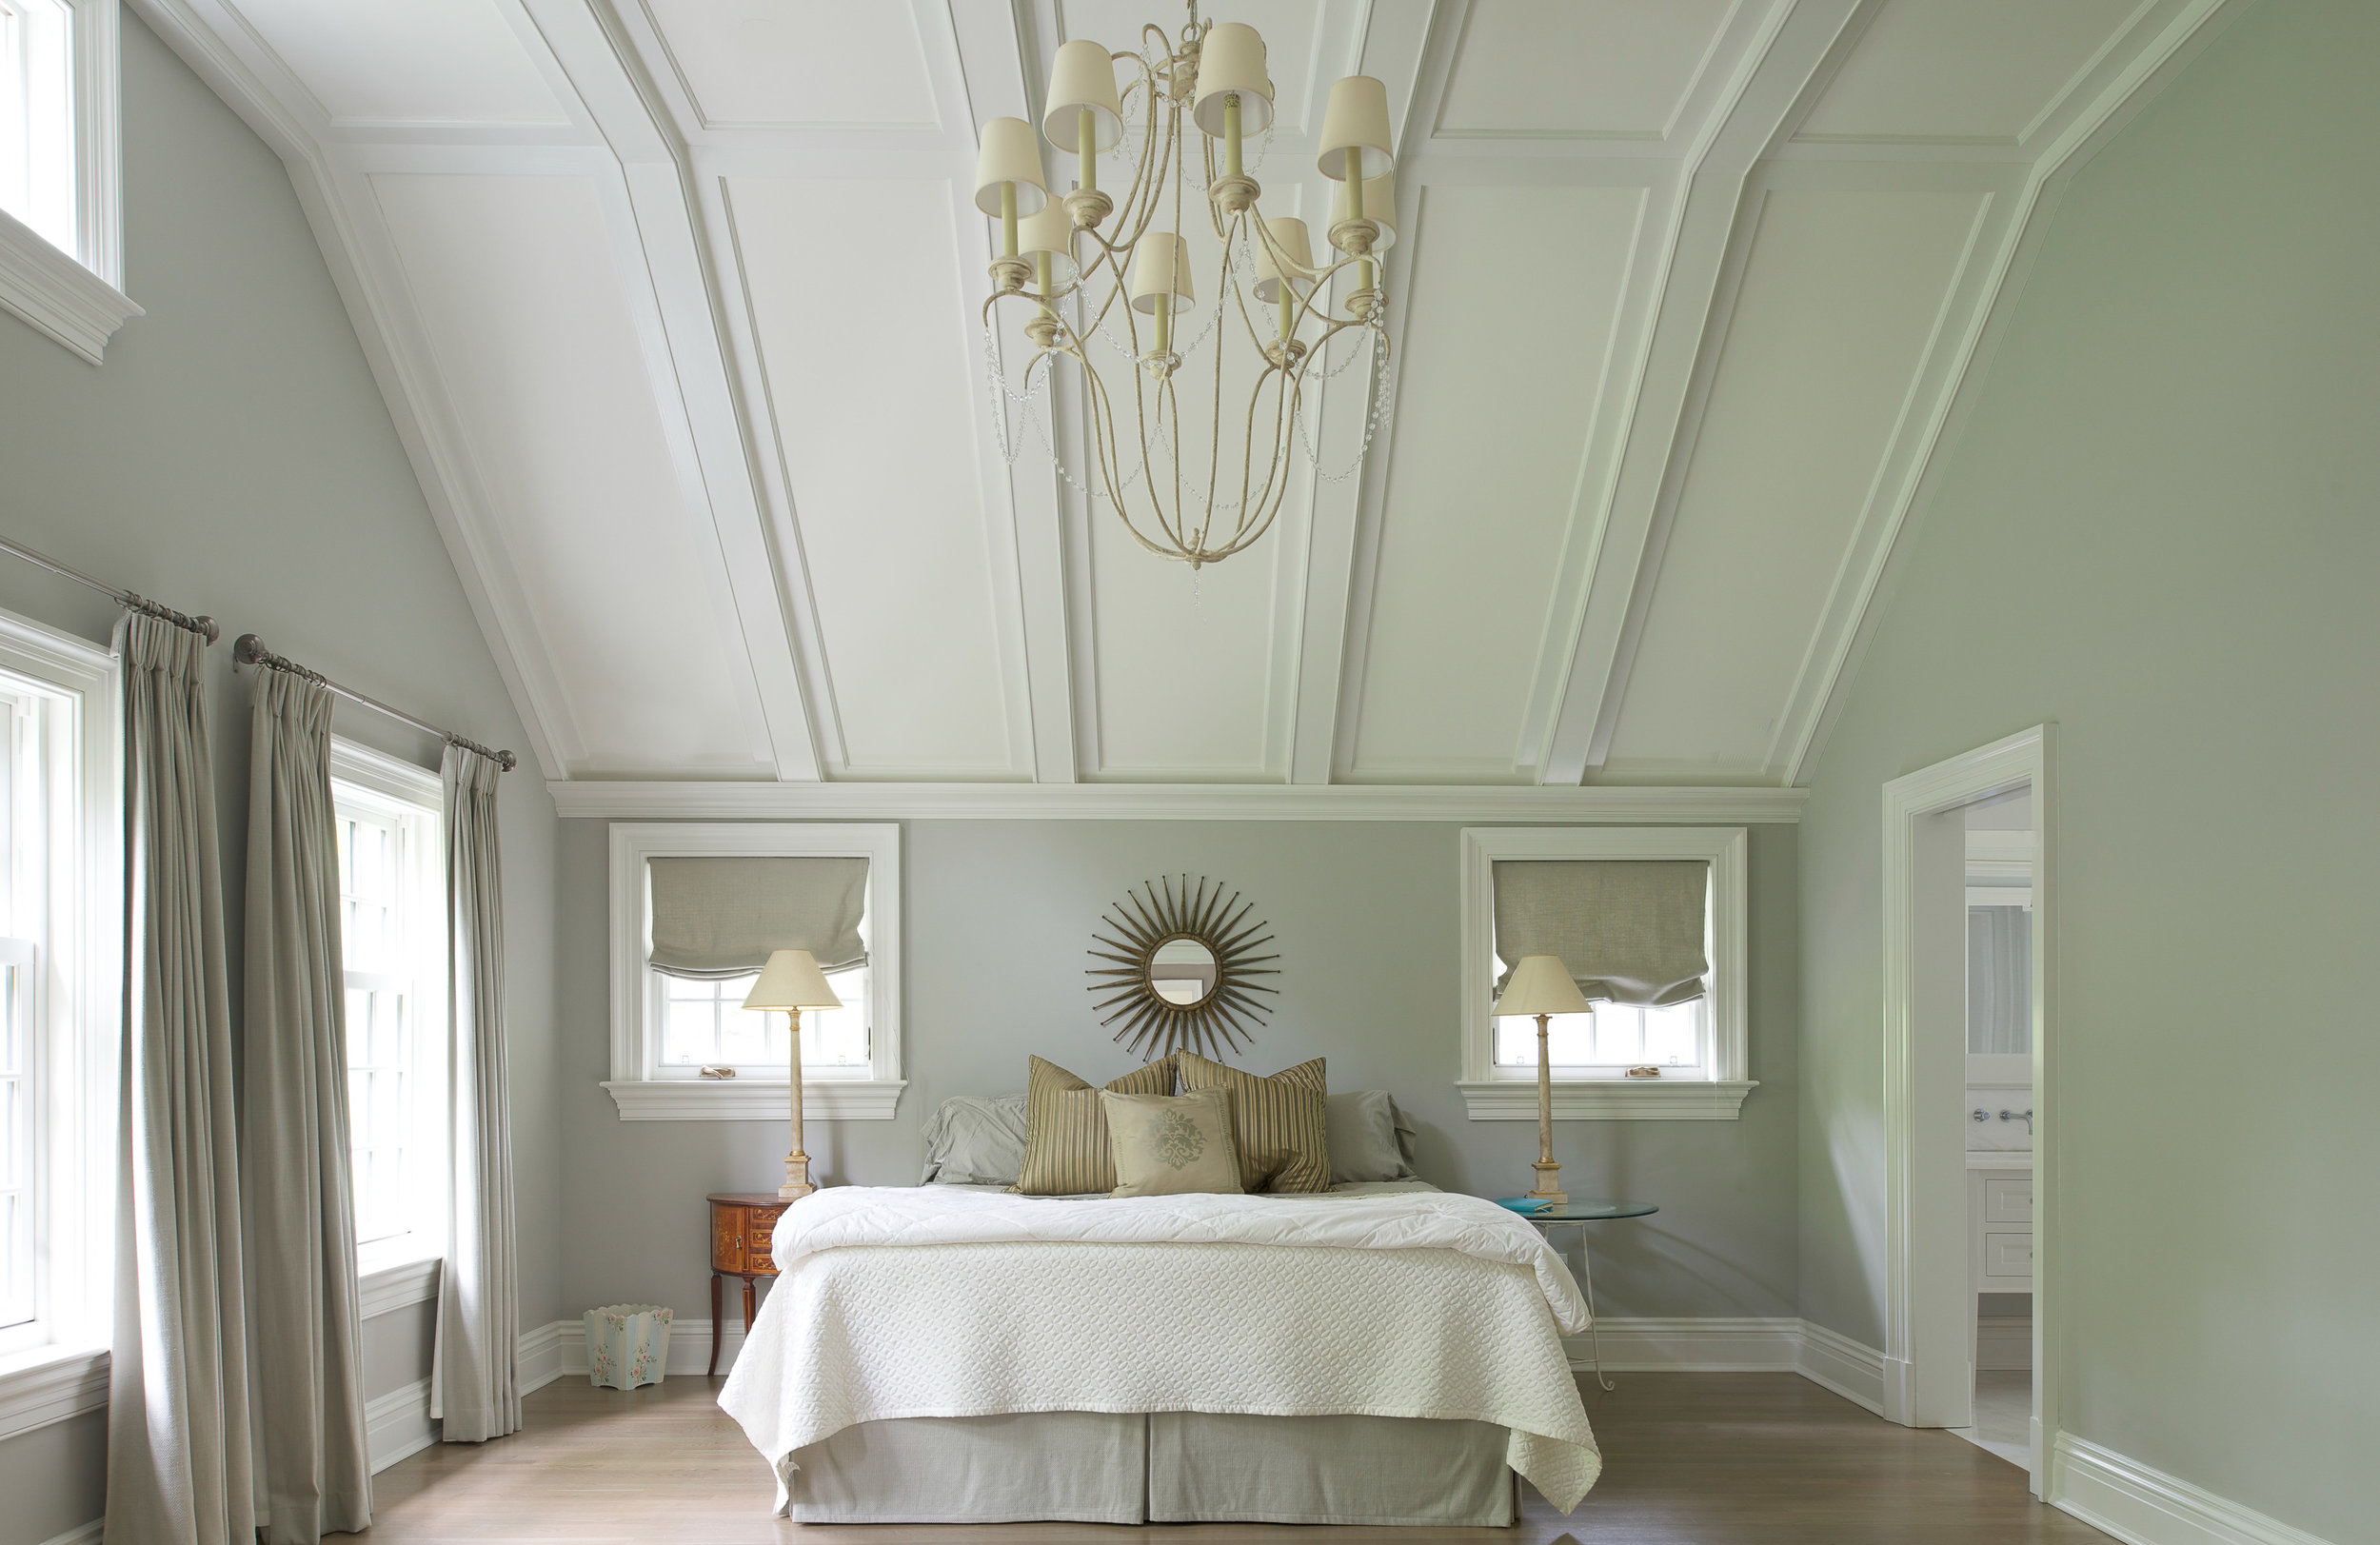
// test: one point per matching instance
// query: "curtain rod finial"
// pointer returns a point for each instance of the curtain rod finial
(247, 649)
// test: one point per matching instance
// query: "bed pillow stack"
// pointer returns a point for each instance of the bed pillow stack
(1066, 1140)
(1281, 1125)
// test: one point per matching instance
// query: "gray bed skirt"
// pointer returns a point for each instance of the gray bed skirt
(1168, 1467)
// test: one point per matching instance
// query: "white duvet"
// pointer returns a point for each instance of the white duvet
(938, 1301)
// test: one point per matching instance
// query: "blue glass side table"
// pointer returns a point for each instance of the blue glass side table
(1577, 1214)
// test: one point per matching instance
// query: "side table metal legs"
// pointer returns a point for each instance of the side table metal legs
(1595, 1332)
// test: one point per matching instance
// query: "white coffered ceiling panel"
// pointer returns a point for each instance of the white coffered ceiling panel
(874, 412)
(537, 350)
(1844, 295)
(1960, 71)
(1578, 68)
(796, 63)
(1483, 477)
(408, 62)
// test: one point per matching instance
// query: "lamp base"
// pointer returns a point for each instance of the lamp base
(797, 1177)
(1549, 1183)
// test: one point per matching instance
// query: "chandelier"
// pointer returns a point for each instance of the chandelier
(1108, 284)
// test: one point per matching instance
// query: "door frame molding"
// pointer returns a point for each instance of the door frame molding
(1928, 1371)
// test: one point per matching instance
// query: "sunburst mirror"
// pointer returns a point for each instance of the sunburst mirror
(1181, 968)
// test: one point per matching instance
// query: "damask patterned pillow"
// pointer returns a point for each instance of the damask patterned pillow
(1166, 1145)
(1278, 1124)
(1065, 1135)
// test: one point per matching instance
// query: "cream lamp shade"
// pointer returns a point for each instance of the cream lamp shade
(1379, 206)
(1081, 76)
(1231, 63)
(1161, 265)
(1049, 231)
(791, 979)
(1007, 152)
(1289, 235)
(1541, 984)
(1357, 119)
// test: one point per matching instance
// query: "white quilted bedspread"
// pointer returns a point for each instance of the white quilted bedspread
(935, 1301)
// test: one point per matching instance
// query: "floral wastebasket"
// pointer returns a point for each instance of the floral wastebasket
(628, 1345)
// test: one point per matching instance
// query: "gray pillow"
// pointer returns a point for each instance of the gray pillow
(1370, 1138)
(975, 1141)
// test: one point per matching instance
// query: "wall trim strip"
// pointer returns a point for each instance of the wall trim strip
(2145, 1506)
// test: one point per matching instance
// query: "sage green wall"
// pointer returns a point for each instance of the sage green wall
(234, 457)
(999, 917)
(2160, 529)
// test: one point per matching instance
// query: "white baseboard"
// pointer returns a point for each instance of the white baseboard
(397, 1425)
(2004, 1344)
(86, 1535)
(538, 1363)
(1851, 1368)
(2143, 1506)
(1694, 1346)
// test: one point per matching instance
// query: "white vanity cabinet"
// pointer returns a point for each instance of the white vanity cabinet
(1999, 1227)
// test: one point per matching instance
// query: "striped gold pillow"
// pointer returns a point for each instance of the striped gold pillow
(1278, 1122)
(1066, 1133)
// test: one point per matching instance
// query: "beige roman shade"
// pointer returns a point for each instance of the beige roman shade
(1631, 930)
(720, 917)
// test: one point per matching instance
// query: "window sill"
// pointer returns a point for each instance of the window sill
(56, 294)
(48, 1384)
(1610, 1100)
(389, 1285)
(754, 1100)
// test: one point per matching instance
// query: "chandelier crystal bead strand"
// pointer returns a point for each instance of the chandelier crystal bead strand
(1086, 262)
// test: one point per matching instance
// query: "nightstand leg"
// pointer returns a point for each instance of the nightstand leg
(713, 1373)
(749, 1292)
(1595, 1333)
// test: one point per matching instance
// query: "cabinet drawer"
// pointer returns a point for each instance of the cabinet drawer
(2008, 1254)
(727, 1248)
(759, 1235)
(2008, 1201)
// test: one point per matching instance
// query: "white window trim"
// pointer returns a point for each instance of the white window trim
(68, 1374)
(78, 298)
(1494, 1094)
(394, 1274)
(824, 1096)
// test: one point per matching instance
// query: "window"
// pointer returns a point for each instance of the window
(1697, 1043)
(685, 1048)
(60, 992)
(392, 936)
(61, 258)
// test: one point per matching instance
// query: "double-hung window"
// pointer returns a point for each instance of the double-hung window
(1651, 921)
(392, 940)
(695, 908)
(61, 257)
(61, 917)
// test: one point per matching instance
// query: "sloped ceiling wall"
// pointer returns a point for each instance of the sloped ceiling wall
(676, 303)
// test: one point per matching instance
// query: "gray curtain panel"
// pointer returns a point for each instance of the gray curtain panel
(1631, 930)
(2000, 979)
(179, 1468)
(720, 917)
(313, 1470)
(475, 1387)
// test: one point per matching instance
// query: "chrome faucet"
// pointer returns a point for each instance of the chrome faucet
(2025, 1116)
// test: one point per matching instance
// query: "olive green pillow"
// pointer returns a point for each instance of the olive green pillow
(1279, 1123)
(1066, 1136)
(1167, 1145)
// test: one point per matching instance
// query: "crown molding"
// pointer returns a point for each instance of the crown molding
(594, 799)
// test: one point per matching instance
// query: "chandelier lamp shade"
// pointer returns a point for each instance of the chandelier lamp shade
(1193, 399)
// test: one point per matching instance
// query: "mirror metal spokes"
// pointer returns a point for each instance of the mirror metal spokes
(1180, 969)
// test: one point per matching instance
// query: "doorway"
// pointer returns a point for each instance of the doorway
(1968, 1101)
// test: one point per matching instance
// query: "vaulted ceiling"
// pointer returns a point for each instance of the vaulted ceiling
(675, 304)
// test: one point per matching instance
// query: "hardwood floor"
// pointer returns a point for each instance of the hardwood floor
(1688, 1459)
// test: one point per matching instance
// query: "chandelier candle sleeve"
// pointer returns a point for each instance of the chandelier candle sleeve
(1085, 115)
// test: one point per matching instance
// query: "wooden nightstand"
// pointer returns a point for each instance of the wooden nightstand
(744, 1225)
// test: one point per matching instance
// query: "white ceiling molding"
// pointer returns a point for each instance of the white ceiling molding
(634, 800)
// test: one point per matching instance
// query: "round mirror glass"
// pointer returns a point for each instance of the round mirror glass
(1182, 971)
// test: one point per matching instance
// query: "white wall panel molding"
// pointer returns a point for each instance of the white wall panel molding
(398, 1425)
(57, 295)
(1851, 1369)
(1163, 801)
(2142, 1505)
(41, 1387)
(2165, 36)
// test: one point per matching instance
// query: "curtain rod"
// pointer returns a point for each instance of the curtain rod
(128, 599)
(247, 649)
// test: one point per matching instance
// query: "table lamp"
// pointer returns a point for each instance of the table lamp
(1542, 985)
(791, 981)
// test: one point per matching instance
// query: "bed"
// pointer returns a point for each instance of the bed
(1381, 1354)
